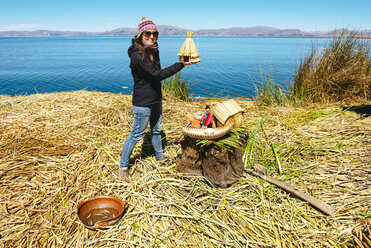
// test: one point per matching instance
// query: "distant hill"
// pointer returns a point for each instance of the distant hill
(365, 33)
(178, 31)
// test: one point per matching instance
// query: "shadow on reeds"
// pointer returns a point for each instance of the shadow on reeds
(364, 110)
(147, 149)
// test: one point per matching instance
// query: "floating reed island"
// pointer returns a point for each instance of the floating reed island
(59, 149)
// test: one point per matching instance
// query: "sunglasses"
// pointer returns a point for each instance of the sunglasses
(148, 34)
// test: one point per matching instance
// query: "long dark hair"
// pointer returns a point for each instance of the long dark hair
(144, 50)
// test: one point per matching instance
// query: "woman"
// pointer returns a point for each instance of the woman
(147, 97)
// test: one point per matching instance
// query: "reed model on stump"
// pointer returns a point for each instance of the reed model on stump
(188, 52)
(221, 167)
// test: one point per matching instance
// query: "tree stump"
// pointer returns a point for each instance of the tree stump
(219, 166)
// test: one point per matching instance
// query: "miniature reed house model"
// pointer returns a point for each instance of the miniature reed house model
(188, 52)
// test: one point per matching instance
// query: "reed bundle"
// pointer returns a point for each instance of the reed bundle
(62, 148)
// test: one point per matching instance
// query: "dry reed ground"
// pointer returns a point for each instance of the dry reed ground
(62, 148)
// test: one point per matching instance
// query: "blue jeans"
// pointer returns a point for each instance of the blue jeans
(142, 115)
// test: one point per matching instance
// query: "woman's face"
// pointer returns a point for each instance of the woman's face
(150, 36)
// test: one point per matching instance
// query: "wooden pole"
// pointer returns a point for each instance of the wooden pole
(324, 207)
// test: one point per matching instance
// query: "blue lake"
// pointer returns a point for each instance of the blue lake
(229, 66)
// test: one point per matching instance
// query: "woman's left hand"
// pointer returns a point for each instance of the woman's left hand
(190, 63)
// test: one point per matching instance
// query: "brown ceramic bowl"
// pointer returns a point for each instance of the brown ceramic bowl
(101, 211)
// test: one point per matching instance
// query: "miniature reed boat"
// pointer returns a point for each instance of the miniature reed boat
(207, 133)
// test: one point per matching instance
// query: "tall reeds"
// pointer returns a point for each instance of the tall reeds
(270, 93)
(177, 88)
(339, 72)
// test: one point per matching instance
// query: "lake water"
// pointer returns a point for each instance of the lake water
(229, 66)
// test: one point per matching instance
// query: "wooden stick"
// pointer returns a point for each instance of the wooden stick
(324, 207)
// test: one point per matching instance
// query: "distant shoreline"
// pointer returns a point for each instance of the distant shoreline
(215, 36)
(212, 36)
(166, 30)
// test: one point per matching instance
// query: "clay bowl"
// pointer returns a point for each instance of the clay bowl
(100, 212)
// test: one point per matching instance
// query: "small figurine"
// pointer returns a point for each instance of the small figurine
(208, 118)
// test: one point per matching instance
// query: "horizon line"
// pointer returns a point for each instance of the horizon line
(200, 29)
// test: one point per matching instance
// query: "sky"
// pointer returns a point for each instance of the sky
(106, 15)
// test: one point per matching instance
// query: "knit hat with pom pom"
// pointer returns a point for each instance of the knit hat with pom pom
(145, 24)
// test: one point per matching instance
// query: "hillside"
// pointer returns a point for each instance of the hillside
(178, 31)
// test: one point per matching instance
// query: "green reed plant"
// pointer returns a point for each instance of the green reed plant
(339, 72)
(270, 93)
(177, 87)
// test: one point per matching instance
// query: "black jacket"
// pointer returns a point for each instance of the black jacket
(148, 77)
